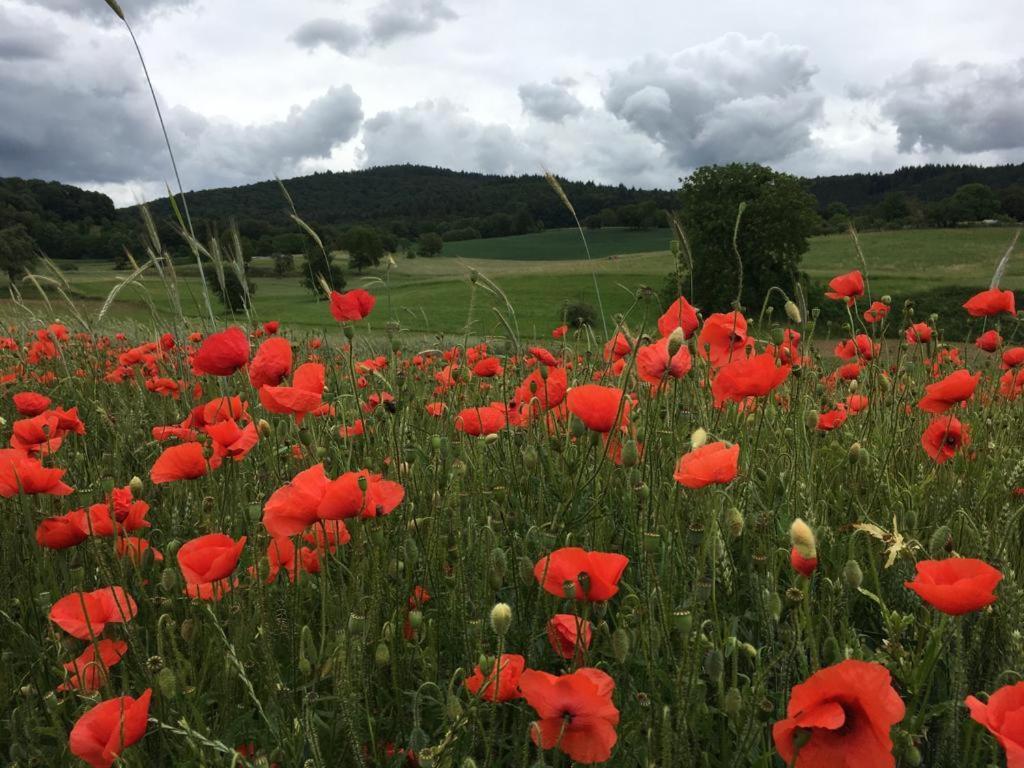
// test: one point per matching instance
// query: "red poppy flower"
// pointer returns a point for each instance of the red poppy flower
(602, 571)
(30, 403)
(502, 683)
(952, 390)
(105, 731)
(487, 367)
(654, 365)
(876, 313)
(856, 403)
(576, 712)
(844, 715)
(231, 441)
(1013, 358)
(273, 361)
(88, 672)
(355, 430)
(832, 419)
(179, 462)
(80, 612)
(957, 585)
(601, 409)
(359, 494)
(60, 532)
(1003, 716)
(618, 347)
(680, 314)
(304, 396)
(20, 473)
(559, 332)
(723, 338)
(545, 385)
(848, 287)
(748, 377)
(944, 437)
(989, 341)
(435, 409)
(221, 354)
(990, 302)
(133, 548)
(293, 507)
(209, 558)
(352, 305)
(569, 635)
(481, 420)
(805, 566)
(918, 333)
(283, 554)
(714, 463)
(545, 357)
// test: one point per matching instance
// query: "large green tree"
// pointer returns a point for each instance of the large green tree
(18, 252)
(364, 245)
(778, 218)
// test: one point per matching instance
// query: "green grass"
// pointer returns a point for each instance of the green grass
(539, 272)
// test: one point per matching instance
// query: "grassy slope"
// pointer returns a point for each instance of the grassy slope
(436, 294)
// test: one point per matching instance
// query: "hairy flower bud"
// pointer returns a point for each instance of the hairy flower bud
(501, 618)
(792, 311)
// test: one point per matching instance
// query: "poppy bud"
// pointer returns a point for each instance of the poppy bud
(792, 311)
(853, 575)
(749, 650)
(135, 484)
(435, 442)
(630, 454)
(415, 619)
(530, 457)
(576, 426)
(188, 630)
(713, 664)
(491, 438)
(811, 419)
(620, 644)
(454, 707)
(887, 300)
(525, 568)
(382, 655)
(675, 341)
(912, 756)
(486, 663)
(732, 521)
(387, 632)
(854, 454)
(356, 624)
(499, 564)
(802, 538)
(698, 439)
(501, 618)
(941, 541)
(732, 702)
(168, 580)
(167, 683)
(304, 666)
(264, 428)
(349, 332)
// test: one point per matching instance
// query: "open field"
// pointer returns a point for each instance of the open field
(437, 296)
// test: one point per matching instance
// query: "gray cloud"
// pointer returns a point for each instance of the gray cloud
(22, 41)
(440, 133)
(731, 99)
(98, 9)
(399, 18)
(552, 102)
(343, 37)
(966, 108)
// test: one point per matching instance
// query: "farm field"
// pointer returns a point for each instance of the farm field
(437, 296)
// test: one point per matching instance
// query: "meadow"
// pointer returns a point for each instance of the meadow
(311, 538)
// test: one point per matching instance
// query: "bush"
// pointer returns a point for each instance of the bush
(578, 314)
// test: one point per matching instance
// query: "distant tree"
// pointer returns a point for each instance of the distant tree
(429, 244)
(1011, 200)
(833, 210)
(456, 235)
(18, 252)
(974, 202)
(364, 245)
(593, 221)
(320, 269)
(497, 225)
(233, 294)
(779, 217)
(894, 207)
(284, 264)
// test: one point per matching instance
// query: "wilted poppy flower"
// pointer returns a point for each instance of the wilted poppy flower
(179, 462)
(754, 376)
(859, 346)
(105, 731)
(85, 614)
(918, 333)
(680, 314)
(723, 338)
(601, 409)
(990, 302)
(876, 312)
(273, 361)
(221, 354)
(501, 683)
(714, 463)
(989, 341)
(944, 437)
(351, 305)
(594, 575)
(842, 716)
(1003, 716)
(30, 403)
(576, 712)
(304, 396)
(957, 585)
(943, 395)
(848, 287)
(209, 558)
(88, 672)
(20, 473)
(569, 635)
(481, 420)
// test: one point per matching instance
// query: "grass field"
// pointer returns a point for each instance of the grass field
(539, 272)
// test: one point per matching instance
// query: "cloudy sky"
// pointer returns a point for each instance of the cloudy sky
(633, 92)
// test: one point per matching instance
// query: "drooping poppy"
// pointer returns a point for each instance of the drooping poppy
(841, 716)
(711, 464)
(956, 388)
(223, 353)
(569, 635)
(876, 313)
(600, 408)
(105, 731)
(848, 287)
(209, 558)
(179, 462)
(575, 712)
(990, 302)
(680, 314)
(88, 672)
(1003, 716)
(956, 585)
(351, 305)
(919, 333)
(501, 683)
(833, 419)
(944, 437)
(85, 614)
(594, 576)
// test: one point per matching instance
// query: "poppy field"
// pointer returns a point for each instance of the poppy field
(699, 541)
